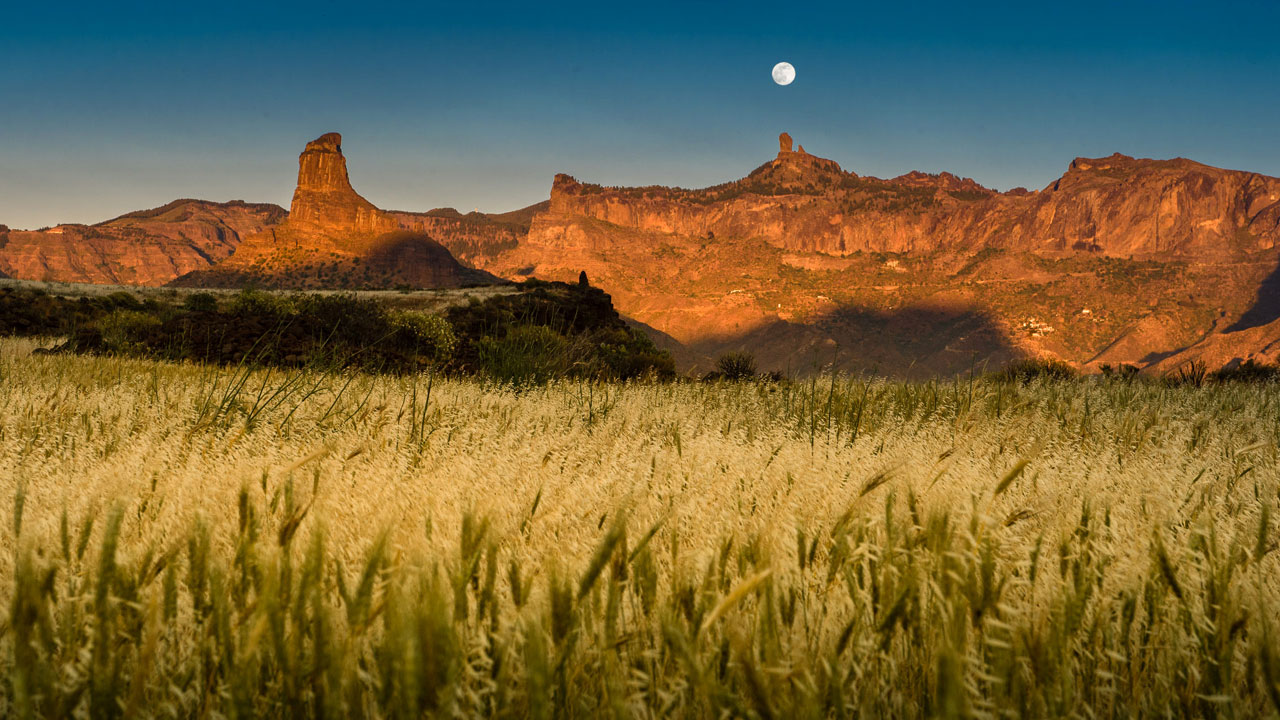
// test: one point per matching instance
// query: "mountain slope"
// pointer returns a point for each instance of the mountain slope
(148, 247)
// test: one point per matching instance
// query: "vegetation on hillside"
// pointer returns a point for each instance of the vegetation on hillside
(544, 331)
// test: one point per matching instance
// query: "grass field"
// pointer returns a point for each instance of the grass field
(188, 541)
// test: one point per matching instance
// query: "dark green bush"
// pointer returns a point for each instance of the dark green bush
(201, 302)
(123, 300)
(1033, 369)
(736, 365)
(627, 353)
(1190, 374)
(1124, 371)
(526, 354)
(1249, 371)
(258, 303)
(432, 333)
(125, 331)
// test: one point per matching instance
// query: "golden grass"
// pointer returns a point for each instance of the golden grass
(189, 541)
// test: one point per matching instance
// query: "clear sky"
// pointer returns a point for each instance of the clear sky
(112, 107)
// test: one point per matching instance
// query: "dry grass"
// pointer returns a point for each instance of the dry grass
(187, 541)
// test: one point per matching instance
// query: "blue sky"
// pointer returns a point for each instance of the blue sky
(108, 108)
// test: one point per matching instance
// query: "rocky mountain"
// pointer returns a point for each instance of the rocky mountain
(153, 247)
(1120, 260)
(806, 264)
(333, 237)
(148, 247)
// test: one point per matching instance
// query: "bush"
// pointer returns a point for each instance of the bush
(258, 303)
(201, 302)
(1124, 371)
(736, 365)
(123, 300)
(627, 353)
(1249, 371)
(431, 333)
(126, 331)
(344, 316)
(1192, 373)
(1030, 370)
(528, 354)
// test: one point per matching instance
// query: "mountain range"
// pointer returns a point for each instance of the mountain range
(1120, 260)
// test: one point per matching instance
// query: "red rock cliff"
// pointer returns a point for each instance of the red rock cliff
(1116, 206)
(324, 199)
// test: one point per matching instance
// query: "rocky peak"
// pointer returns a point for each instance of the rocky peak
(1113, 160)
(324, 199)
(784, 144)
(798, 166)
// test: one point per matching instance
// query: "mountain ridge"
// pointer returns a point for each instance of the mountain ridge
(1120, 259)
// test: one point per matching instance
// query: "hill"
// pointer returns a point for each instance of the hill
(147, 247)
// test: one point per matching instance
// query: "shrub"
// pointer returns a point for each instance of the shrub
(201, 302)
(123, 300)
(1192, 373)
(528, 354)
(347, 317)
(1249, 371)
(1030, 370)
(263, 304)
(432, 334)
(1124, 371)
(125, 331)
(736, 365)
(627, 353)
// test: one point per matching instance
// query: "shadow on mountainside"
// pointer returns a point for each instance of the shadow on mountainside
(1266, 306)
(910, 343)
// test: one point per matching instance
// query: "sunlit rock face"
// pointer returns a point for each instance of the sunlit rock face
(1114, 206)
(324, 200)
(334, 238)
(1119, 260)
(148, 247)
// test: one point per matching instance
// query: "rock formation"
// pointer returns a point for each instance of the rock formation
(333, 237)
(324, 199)
(1120, 260)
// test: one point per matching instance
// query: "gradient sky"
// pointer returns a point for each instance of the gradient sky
(112, 107)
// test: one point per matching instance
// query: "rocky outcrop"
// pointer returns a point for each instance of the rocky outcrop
(1115, 206)
(803, 262)
(324, 199)
(148, 247)
(334, 238)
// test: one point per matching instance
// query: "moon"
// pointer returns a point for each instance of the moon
(784, 73)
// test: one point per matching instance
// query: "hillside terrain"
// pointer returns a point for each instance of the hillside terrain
(147, 247)
(1121, 260)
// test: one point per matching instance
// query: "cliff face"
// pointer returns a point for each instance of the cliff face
(1114, 206)
(324, 200)
(806, 264)
(148, 247)
(334, 238)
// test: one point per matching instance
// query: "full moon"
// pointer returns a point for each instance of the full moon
(784, 73)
